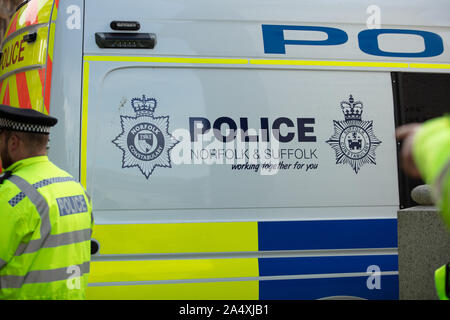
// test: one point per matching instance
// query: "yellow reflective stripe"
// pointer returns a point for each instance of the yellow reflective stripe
(4, 85)
(55, 11)
(177, 237)
(151, 270)
(51, 40)
(274, 62)
(429, 66)
(45, 10)
(13, 92)
(239, 290)
(329, 63)
(35, 90)
(167, 60)
(84, 120)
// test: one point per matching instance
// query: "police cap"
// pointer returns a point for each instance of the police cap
(25, 120)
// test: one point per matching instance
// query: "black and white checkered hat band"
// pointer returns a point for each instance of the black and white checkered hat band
(24, 127)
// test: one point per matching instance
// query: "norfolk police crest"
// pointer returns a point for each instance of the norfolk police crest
(145, 140)
(353, 140)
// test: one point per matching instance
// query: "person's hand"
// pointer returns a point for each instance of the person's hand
(407, 133)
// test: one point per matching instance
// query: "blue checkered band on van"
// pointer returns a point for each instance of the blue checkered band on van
(71, 205)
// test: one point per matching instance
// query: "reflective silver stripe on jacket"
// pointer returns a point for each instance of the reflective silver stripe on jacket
(42, 207)
(40, 276)
(21, 195)
(55, 240)
(439, 183)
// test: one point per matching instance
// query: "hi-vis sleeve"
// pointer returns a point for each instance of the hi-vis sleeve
(12, 230)
(432, 156)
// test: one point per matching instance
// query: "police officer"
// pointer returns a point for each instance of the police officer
(45, 215)
(426, 153)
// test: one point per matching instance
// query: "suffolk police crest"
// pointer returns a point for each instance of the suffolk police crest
(353, 140)
(145, 140)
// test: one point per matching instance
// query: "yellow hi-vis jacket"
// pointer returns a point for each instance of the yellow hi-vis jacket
(432, 155)
(45, 231)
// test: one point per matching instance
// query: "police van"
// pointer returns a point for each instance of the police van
(234, 149)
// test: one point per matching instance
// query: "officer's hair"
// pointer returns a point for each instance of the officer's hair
(35, 143)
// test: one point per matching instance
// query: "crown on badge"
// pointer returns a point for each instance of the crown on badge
(352, 109)
(144, 106)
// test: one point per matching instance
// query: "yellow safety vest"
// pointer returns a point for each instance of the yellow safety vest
(45, 230)
(432, 155)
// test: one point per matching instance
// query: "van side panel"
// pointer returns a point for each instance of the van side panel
(292, 173)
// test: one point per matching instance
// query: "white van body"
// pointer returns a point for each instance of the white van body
(251, 153)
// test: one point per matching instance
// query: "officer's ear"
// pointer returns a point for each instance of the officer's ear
(13, 143)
